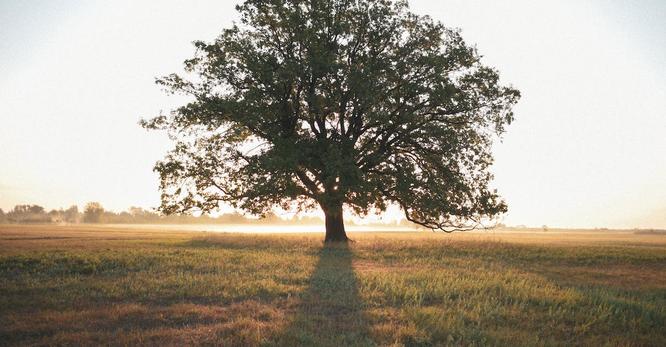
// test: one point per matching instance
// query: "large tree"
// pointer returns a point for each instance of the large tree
(332, 103)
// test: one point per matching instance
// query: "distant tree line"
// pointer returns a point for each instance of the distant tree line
(37, 214)
(94, 212)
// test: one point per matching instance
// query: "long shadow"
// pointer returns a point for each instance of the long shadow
(330, 312)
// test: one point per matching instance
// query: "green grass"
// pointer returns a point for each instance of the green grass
(61, 286)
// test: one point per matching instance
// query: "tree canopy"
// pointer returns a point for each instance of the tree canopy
(332, 103)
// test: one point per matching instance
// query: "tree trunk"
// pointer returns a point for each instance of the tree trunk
(335, 226)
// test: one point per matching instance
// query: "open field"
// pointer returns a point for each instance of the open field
(94, 285)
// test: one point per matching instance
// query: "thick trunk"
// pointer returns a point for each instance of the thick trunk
(335, 226)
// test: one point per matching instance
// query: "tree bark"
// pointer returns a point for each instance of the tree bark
(335, 226)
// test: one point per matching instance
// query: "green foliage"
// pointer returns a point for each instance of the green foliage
(311, 102)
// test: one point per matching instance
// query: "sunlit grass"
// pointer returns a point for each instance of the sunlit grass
(91, 286)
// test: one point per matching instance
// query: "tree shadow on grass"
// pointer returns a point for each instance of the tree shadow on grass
(331, 311)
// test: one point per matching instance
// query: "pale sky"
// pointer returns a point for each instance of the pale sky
(587, 149)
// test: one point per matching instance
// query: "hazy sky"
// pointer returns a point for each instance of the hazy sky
(588, 148)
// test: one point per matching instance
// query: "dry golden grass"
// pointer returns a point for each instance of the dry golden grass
(88, 285)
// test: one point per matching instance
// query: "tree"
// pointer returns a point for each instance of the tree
(334, 103)
(56, 216)
(2, 216)
(28, 214)
(93, 212)
(32, 209)
(71, 215)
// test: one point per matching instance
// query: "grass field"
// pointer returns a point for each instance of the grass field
(92, 285)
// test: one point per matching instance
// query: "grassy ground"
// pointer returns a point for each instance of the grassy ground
(88, 285)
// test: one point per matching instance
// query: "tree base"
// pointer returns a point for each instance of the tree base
(335, 226)
(336, 238)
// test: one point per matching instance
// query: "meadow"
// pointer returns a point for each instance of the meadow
(89, 285)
